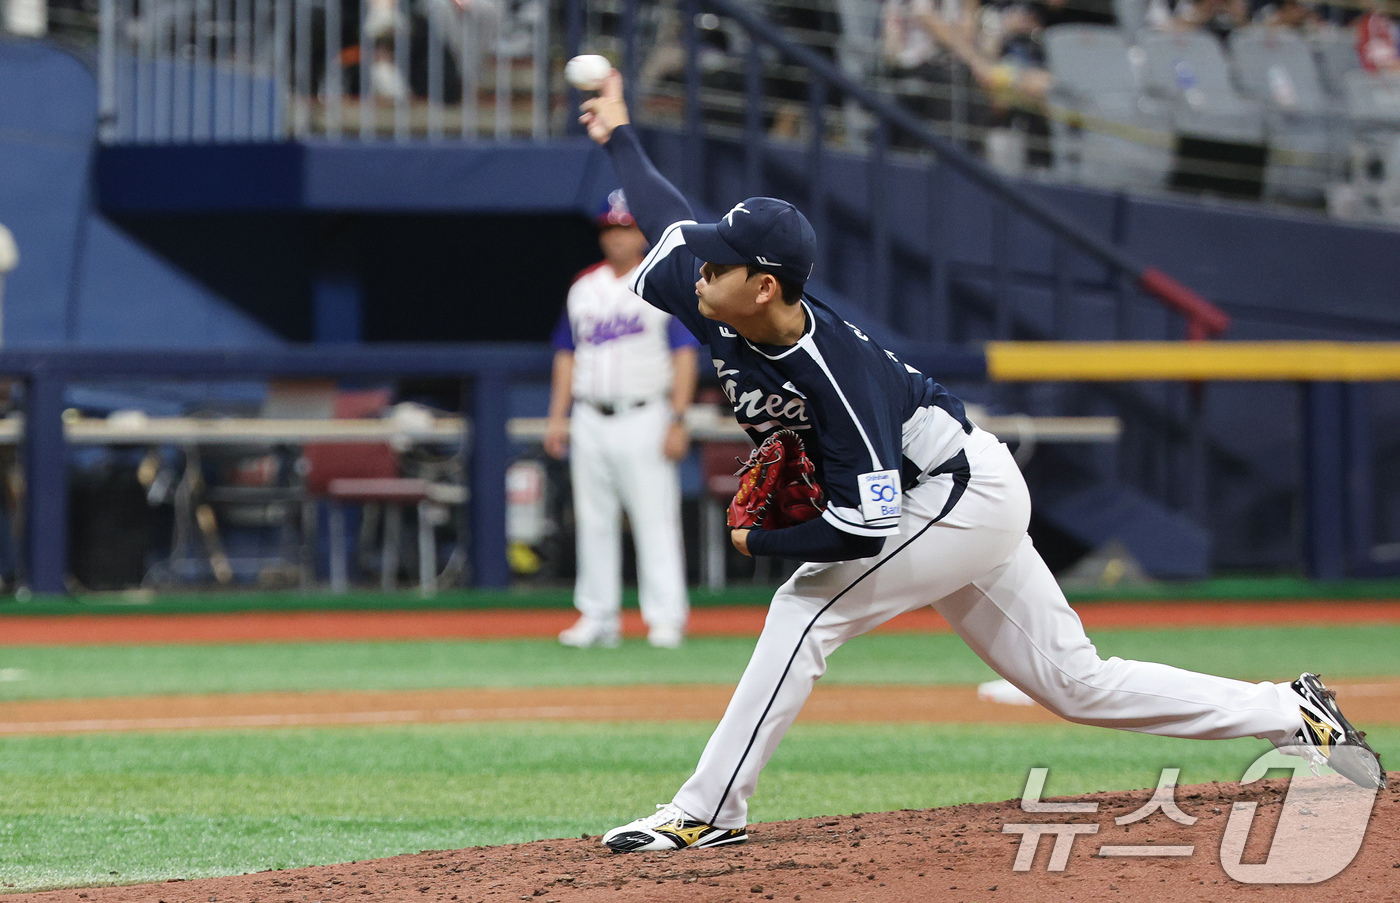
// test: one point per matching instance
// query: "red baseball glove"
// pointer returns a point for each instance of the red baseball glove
(776, 488)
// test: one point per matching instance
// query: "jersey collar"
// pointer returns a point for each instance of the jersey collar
(778, 352)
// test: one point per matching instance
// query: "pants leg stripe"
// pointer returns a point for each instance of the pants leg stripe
(958, 467)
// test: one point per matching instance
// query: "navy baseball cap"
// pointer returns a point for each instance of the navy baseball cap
(768, 233)
(614, 211)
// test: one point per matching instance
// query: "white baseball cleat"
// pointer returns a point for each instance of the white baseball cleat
(670, 829)
(1328, 738)
(587, 633)
(666, 637)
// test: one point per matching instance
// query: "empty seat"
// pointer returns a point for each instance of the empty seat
(1335, 51)
(367, 473)
(1276, 67)
(1188, 70)
(1105, 133)
(1132, 17)
(1373, 101)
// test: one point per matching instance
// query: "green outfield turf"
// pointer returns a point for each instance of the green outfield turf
(128, 808)
(1232, 589)
(76, 671)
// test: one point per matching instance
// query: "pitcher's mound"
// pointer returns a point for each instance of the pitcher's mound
(960, 853)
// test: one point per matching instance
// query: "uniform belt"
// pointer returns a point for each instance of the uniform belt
(609, 408)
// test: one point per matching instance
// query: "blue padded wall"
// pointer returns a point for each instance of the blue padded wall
(128, 297)
(80, 280)
(47, 105)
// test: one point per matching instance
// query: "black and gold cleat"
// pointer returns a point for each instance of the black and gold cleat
(1328, 738)
(670, 829)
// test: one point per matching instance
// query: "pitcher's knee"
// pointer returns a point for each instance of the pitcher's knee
(1076, 693)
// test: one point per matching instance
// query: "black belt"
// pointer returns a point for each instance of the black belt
(609, 408)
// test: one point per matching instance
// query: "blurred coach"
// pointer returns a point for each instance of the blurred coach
(627, 372)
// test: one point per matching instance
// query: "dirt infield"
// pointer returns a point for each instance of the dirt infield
(959, 854)
(1371, 702)
(311, 626)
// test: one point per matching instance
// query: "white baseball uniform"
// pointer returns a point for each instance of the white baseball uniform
(622, 377)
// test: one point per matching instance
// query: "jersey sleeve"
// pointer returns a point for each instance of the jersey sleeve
(816, 540)
(666, 280)
(654, 202)
(677, 336)
(563, 336)
(860, 448)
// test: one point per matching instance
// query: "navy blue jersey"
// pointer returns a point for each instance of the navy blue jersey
(870, 423)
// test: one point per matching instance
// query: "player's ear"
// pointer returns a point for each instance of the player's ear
(768, 288)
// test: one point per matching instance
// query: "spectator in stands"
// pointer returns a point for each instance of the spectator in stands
(1014, 79)
(921, 65)
(1377, 40)
(1066, 12)
(816, 25)
(1219, 17)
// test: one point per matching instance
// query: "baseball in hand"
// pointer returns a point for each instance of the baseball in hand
(587, 71)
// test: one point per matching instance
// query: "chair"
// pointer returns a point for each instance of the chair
(1276, 68)
(257, 488)
(717, 466)
(1334, 49)
(1373, 104)
(368, 473)
(1115, 145)
(1132, 17)
(1188, 70)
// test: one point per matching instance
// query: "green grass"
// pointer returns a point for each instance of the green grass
(146, 602)
(121, 808)
(561, 597)
(126, 808)
(40, 672)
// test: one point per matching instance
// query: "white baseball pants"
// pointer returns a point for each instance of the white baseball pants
(977, 567)
(617, 463)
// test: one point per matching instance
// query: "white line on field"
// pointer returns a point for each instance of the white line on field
(295, 719)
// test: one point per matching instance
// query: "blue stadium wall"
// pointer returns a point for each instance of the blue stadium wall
(82, 281)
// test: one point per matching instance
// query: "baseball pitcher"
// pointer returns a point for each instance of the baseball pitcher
(920, 507)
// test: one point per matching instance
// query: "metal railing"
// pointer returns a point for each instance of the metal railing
(485, 371)
(755, 161)
(175, 71)
(824, 79)
(257, 70)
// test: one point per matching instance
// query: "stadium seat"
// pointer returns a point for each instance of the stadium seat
(1105, 132)
(1132, 17)
(1276, 68)
(718, 461)
(1188, 70)
(1373, 103)
(368, 473)
(1335, 52)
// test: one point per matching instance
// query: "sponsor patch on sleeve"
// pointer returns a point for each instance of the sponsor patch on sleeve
(880, 496)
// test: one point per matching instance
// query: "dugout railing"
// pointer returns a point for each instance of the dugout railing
(1336, 473)
(486, 373)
